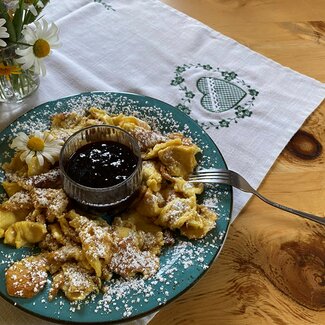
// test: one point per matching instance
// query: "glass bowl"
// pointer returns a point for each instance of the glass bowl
(111, 199)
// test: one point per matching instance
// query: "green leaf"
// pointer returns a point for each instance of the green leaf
(18, 19)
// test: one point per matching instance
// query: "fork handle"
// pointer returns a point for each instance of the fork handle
(302, 214)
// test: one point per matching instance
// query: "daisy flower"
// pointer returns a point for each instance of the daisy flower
(40, 145)
(3, 32)
(7, 70)
(42, 37)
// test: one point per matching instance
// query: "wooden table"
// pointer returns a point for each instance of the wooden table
(272, 267)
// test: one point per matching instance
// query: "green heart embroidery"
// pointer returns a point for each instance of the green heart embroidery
(219, 95)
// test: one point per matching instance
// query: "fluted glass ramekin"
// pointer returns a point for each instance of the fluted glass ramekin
(111, 199)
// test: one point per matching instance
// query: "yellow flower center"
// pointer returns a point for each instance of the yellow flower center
(35, 144)
(41, 48)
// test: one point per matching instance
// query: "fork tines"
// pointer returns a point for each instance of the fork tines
(209, 176)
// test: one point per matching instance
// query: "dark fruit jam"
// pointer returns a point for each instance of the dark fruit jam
(101, 164)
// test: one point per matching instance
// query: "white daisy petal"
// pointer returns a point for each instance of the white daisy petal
(40, 158)
(19, 145)
(27, 62)
(20, 142)
(24, 155)
(22, 136)
(29, 157)
(23, 52)
(39, 134)
(3, 32)
(55, 144)
(49, 157)
(48, 136)
(27, 65)
(37, 67)
(37, 26)
(56, 45)
(45, 25)
(53, 153)
(29, 35)
(42, 68)
(33, 10)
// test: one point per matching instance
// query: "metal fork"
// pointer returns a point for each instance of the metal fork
(222, 176)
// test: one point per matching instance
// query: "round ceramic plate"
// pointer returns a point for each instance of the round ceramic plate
(181, 265)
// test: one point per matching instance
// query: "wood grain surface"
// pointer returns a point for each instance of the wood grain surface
(272, 267)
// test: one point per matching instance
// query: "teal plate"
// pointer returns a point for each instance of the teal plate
(181, 265)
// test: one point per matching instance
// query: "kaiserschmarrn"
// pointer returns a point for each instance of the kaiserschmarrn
(81, 251)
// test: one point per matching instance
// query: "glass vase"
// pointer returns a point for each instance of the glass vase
(15, 83)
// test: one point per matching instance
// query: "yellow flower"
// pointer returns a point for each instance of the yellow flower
(7, 70)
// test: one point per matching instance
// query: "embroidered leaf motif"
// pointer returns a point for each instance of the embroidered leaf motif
(207, 67)
(183, 108)
(189, 94)
(105, 5)
(224, 123)
(219, 95)
(241, 112)
(180, 69)
(178, 80)
(253, 92)
(229, 75)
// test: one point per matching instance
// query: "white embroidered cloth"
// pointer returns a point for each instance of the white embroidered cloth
(250, 105)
